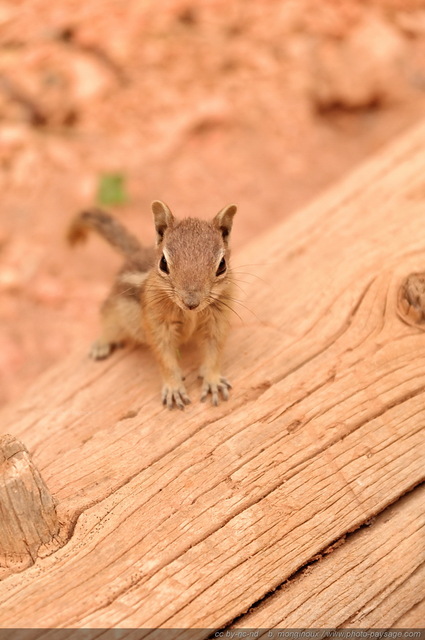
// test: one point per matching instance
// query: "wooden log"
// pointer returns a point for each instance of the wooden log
(29, 526)
(188, 519)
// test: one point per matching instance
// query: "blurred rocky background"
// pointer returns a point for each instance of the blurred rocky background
(199, 103)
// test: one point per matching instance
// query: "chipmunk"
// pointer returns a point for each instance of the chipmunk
(166, 294)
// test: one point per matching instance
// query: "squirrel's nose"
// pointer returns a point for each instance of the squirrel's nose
(191, 300)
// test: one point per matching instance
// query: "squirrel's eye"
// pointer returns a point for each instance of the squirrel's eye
(163, 265)
(221, 267)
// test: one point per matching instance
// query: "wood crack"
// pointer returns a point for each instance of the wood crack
(248, 505)
(307, 566)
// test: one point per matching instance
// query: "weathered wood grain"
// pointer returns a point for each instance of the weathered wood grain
(412, 619)
(187, 519)
(376, 573)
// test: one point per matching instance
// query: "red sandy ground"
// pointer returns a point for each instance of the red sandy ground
(260, 102)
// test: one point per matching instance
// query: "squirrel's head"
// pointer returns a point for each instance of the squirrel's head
(192, 256)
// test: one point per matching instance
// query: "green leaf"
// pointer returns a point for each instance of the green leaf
(111, 189)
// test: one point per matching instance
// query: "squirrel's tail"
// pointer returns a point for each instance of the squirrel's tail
(106, 226)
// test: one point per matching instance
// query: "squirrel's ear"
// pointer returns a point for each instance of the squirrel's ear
(224, 220)
(163, 218)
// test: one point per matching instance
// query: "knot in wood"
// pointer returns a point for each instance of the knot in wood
(411, 300)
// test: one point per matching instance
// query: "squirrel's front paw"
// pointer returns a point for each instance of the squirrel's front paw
(215, 388)
(174, 396)
(101, 350)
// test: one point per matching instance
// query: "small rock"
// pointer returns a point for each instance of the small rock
(359, 71)
(10, 279)
(411, 22)
(89, 79)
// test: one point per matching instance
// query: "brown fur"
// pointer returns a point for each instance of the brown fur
(164, 310)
